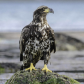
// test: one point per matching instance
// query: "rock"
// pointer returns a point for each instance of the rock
(68, 43)
(9, 67)
(39, 77)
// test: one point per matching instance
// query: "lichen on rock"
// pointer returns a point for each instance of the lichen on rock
(39, 77)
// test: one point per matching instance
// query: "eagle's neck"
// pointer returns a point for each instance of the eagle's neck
(41, 19)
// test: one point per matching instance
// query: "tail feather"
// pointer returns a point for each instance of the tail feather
(21, 57)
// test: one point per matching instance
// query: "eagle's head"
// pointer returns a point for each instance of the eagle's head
(41, 11)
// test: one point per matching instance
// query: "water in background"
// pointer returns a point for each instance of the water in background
(67, 15)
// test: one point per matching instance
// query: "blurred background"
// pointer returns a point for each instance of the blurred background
(67, 23)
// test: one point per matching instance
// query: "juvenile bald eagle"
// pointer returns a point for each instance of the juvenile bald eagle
(37, 40)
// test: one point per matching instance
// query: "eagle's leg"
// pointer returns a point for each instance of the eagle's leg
(31, 65)
(45, 63)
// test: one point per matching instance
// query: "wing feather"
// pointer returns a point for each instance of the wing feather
(50, 33)
(23, 39)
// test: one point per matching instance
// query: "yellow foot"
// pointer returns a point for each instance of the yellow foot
(31, 67)
(46, 69)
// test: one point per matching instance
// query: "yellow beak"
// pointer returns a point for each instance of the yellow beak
(49, 10)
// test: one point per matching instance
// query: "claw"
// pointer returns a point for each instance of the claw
(31, 68)
(46, 69)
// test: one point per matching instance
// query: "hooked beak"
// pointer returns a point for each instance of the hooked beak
(51, 10)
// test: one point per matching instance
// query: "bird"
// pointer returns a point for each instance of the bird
(37, 40)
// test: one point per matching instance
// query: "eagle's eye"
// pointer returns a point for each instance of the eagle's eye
(43, 9)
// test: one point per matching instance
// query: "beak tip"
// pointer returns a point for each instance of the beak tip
(51, 11)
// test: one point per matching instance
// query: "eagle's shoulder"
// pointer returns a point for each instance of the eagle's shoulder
(25, 30)
(50, 31)
(30, 31)
(24, 34)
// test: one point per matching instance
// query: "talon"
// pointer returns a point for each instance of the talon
(46, 69)
(31, 67)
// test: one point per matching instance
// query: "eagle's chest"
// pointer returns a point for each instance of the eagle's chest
(43, 31)
(44, 34)
(45, 41)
